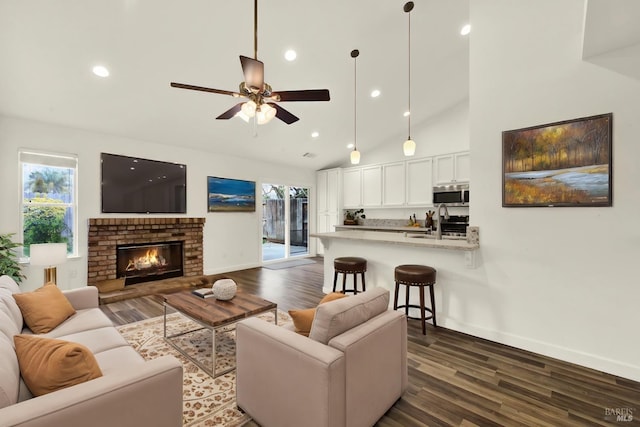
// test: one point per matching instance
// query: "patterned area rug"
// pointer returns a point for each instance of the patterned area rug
(206, 401)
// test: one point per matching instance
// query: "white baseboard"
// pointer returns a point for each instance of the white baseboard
(227, 269)
(588, 360)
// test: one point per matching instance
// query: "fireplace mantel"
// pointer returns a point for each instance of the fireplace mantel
(105, 234)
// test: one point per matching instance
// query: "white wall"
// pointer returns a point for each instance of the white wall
(558, 281)
(232, 241)
(448, 132)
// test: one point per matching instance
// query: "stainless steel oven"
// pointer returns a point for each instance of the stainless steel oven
(451, 195)
(455, 225)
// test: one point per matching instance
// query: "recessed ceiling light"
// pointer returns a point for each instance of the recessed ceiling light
(465, 30)
(100, 71)
(407, 113)
(290, 55)
(315, 134)
(350, 145)
(375, 93)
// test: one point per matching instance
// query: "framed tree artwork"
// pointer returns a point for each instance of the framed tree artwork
(558, 164)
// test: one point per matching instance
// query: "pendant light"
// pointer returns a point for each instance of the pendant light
(355, 154)
(409, 146)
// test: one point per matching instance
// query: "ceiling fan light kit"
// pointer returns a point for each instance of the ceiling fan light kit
(261, 98)
(409, 146)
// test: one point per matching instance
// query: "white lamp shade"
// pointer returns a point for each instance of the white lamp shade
(355, 157)
(248, 109)
(48, 254)
(409, 147)
(243, 116)
(265, 114)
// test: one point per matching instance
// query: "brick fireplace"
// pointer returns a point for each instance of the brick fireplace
(107, 234)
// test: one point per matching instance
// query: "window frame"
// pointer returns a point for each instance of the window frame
(50, 159)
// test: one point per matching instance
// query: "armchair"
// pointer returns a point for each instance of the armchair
(348, 372)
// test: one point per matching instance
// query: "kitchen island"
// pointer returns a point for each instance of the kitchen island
(454, 260)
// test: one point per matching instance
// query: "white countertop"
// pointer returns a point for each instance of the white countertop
(382, 228)
(399, 239)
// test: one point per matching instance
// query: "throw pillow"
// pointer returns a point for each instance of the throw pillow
(48, 364)
(45, 308)
(303, 319)
(332, 296)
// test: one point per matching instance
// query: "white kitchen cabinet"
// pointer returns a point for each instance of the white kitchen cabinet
(372, 186)
(419, 182)
(463, 167)
(452, 168)
(327, 202)
(393, 184)
(321, 191)
(352, 187)
(327, 190)
(333, 190)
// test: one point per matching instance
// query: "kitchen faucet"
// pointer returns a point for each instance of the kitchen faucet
(446, 216)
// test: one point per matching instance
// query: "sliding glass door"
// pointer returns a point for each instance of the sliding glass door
(285, 220)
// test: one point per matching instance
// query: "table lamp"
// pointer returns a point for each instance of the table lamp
(49, 255)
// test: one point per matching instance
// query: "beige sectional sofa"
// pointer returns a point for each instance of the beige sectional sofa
(347, 373)
(131, 391)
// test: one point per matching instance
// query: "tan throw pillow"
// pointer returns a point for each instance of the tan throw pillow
(48, 364)
(332, 296)
(303, 319)
(45, 308)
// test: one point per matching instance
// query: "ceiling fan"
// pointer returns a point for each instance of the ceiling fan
(262, 99)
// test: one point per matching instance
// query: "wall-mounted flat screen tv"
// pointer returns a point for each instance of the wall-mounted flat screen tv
(135, 185)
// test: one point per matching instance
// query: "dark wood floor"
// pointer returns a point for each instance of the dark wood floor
(454, 379)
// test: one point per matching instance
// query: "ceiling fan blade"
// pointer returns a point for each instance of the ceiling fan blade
(253, 72)
(206, 89)
(283, 114)
(231, 112)
(302, 95)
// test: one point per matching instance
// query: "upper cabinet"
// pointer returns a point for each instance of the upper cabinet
(419, 182)
(400, 184)
(371, 186)
(352, 188)
(327, 202)
(452, 168)
(321, 191)
(393, 184)
(328, 191)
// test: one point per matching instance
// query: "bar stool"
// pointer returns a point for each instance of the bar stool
(349, 265)
(411, 275)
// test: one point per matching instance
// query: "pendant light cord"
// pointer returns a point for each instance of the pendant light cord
(409, 130)
(355, 116)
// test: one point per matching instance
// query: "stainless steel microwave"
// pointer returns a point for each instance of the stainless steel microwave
(451, 195)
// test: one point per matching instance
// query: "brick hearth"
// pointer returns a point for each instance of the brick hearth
(105, 234)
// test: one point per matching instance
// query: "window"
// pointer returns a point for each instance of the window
(48, 195)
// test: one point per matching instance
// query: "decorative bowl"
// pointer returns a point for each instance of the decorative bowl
(224, 289)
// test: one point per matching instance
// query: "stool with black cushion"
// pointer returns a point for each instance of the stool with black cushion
(349, 265)
(421, 276)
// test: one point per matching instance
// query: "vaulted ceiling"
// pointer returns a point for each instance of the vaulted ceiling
(47, 50)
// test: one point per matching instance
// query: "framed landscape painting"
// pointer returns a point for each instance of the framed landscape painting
(558, 164)
(230, 195)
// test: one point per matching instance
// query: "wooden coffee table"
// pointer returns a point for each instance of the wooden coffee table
(213, 314)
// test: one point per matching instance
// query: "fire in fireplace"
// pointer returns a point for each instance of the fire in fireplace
(149, 261)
